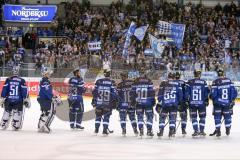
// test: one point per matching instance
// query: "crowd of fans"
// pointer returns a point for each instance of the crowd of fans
(211, 36)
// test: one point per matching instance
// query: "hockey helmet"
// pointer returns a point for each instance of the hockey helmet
(197, 73)
(171, 75)
(177, 75)
(15, 70)
(46, 71)
(220, 72)
(75, 71)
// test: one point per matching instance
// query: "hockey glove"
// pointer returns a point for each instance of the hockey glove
(158, 108)
(180, 107)
(2, 100)
(27, 103)
(93, 104)
(232, 105)
(186, 104)
(206, 102)
(57, 100)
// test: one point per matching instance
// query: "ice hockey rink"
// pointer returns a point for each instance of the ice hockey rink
(64, 143)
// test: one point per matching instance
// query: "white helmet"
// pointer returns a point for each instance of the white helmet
(15, 70)
(46, 70)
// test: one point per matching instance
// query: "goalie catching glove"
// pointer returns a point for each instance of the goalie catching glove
(57, 100)
(27, 102)
(2, 100)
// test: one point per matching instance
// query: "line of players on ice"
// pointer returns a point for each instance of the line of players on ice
(134, 99)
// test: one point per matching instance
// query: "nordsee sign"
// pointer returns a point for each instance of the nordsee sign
(28, 13)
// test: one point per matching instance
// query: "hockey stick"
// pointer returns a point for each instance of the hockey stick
(215, 132)
(178, 125)
(110, 131)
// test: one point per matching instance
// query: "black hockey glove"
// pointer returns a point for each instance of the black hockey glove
(93, 103)
(232, 105)
(206, 102)
(158, 108)
(27, 103)
(180, 106)
(186, 104)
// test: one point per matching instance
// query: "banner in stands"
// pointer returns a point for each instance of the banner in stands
(28, 13)
(94, 46)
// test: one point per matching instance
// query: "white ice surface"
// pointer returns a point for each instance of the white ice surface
(63, 143)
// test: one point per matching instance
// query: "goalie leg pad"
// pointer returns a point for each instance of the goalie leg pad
(51, 115)
(17, 119)
(5, 119)
(46, 119)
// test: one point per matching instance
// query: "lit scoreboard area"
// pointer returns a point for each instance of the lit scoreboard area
(27, 15)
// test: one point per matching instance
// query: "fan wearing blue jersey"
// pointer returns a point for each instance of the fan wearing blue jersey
(197, 92)
(14, 97)
(104, 101)
(125, 107)
(182, 108)
(144, 100)
(75, 100)
(223, 95)
(47, 102)
(169, 97)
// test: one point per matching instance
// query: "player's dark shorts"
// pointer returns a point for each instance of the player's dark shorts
(45, 104)
(76, 105)
(9, 106)
(103, 110)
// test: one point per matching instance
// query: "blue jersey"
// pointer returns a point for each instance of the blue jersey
(124, 93)
(143, 92)
(197, 92)
(170, 93)
(183, 85)
(15, 89)
(45, 89)
(76, 88)
(223, 91)
(104, 92)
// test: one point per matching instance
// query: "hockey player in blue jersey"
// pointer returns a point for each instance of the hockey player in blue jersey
(125, 107)
(169, 97)
(182, 108)
(197, 92)
(14, 97)
(104, 101)
(75, 100)
(223, 95)
(144, 100)
(47, 100)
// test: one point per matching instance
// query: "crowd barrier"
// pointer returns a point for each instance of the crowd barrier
(60, 85)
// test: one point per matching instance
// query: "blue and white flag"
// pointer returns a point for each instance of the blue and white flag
(177, 34)
(157, 45)
(174, 32)
(130, 32)
(140, 32)
(164, 28)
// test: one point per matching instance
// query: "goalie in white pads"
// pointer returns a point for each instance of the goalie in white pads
(47, 102)
(14, 96)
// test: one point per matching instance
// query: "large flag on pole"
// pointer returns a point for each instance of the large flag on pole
(164, 28)
(157, 45)
(130, 32)
(173, 31)
(140, 32)
(178, 34)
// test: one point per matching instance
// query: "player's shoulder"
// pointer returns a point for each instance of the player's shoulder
(45, 80)
(16, 78)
